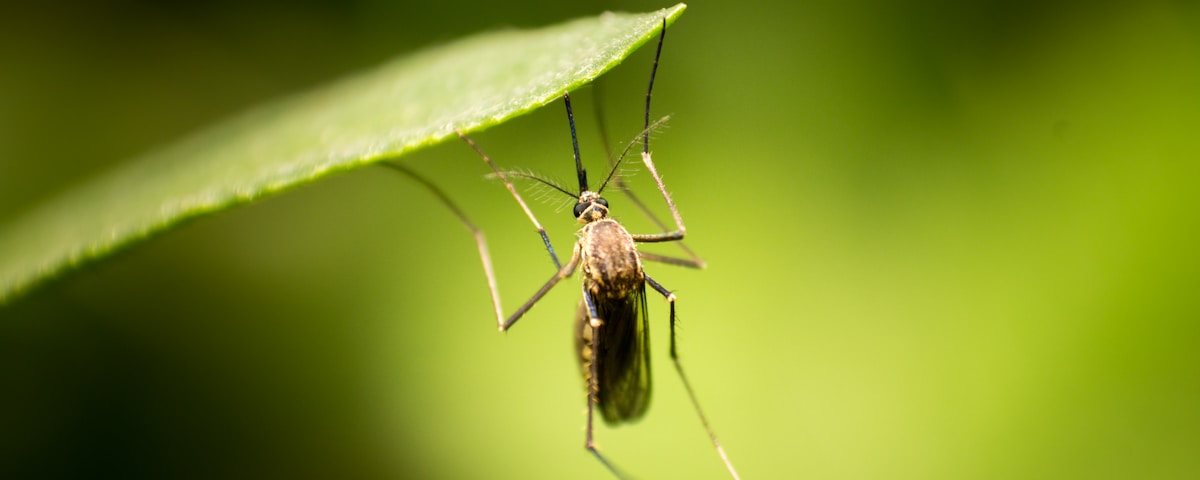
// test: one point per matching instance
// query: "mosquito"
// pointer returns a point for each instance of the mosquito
(611, 322)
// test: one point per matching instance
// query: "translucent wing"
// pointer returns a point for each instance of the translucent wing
(623, 368)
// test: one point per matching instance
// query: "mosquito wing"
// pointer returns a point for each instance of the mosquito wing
(623, 368)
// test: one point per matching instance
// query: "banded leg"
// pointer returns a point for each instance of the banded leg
(680, 231)
(562, 273)
(588, 308)
(513, 190)
(670, 297)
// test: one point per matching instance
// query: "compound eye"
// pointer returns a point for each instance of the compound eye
(579, 208)
(602, 202)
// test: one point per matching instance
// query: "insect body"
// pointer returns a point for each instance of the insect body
(611, 327)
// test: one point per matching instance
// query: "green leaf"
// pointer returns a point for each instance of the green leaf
(404, 105)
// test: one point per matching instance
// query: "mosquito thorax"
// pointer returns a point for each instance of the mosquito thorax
(591, 207)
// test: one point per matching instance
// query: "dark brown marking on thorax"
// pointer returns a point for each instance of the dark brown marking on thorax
(611, 265)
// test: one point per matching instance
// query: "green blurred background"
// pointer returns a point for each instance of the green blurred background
(945, 240)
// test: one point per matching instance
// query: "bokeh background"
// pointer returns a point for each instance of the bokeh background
(945, 240)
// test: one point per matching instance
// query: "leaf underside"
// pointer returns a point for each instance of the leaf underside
(399, 107)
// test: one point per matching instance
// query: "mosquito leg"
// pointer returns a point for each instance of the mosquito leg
(562, 273)
(513, 190)
(687, 385)
(682, 262)
(615, 179)
(695, 260)
(484, 255)
(590, 304)
(650, 89)
(480, 241)
(593, 394)
(680, 231)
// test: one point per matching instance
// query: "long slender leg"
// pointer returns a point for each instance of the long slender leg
(513, 190)
(680, 231)
(687, 385)
(484, 255)
(562, 273)
(650, 89)
(594, 387)
(480, 241)
(682, 262)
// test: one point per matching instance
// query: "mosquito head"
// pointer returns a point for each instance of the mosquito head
(590, 207)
